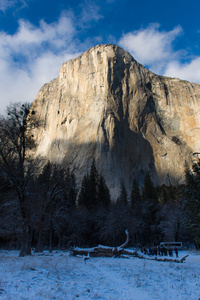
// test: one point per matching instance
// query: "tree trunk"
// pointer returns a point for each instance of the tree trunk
(26, 241)
(51, 241)
(127, 240)
(40, 245)
(60, 240)
(177, 232)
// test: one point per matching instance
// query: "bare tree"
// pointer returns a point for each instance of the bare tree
(57, 195)
(16, 141)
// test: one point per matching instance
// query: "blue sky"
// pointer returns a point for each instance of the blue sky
(37, 36)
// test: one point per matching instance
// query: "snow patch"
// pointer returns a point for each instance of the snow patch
(61, 276)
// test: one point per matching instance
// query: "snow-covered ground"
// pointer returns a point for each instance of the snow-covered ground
(60, 276)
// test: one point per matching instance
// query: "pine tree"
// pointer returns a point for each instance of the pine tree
(72, 190)
(123, 197)
(149, 191)
(94, 191)
(167, 194)
(103, 193)
(150, 212)
(84, 197)
(192, 200)
(88, 193)
(135, 193)
(93, 184)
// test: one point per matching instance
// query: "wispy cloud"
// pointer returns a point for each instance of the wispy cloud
(89, 12)
(28, 37)
(154, 48)
(33, 56)
(6, 4)
(188, 71)
(150, 46)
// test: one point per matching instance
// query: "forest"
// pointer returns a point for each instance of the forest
(41, 206)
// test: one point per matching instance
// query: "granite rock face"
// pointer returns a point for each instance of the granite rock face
(105, 105)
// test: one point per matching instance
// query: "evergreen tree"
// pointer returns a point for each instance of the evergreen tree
(167, 194)
(192, 200)
(94, 191)
(150, 213)
(103, 193)
(149, 191)
(84, 197)
(135, 193)
(123, 197)
(163, 195)
(93, 184)
(71, 190)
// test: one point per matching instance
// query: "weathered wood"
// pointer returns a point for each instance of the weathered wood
(166, 259)
(102, 251)
(183, 258)
(127, 240)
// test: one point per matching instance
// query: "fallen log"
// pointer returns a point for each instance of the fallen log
(105, 251)
(117, 252)
(127, 240)
(183, 258)
(99, 252)
(165, 259)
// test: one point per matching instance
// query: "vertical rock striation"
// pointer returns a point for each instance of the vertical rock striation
(105, 105)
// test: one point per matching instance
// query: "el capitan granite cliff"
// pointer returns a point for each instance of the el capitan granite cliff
(105, 105)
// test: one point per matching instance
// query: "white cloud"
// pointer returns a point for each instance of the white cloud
(5, 4)
(154, 49)
(90, 12)
(33, 56)
(150, 46)
(22, 85)
(188, 71)
(29, 37)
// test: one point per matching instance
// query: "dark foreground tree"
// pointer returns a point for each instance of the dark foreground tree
(149, 190)
(123, 197)
(57, 196)
(17, 167)
(150, 213)
(94, 191)
(192, 201)
(135, 194)
(103, 193)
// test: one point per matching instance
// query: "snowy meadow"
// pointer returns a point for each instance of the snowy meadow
(61, 276)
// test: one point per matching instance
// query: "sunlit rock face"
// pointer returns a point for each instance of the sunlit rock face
(105, 105)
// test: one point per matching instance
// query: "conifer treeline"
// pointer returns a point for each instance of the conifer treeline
(60, 216)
